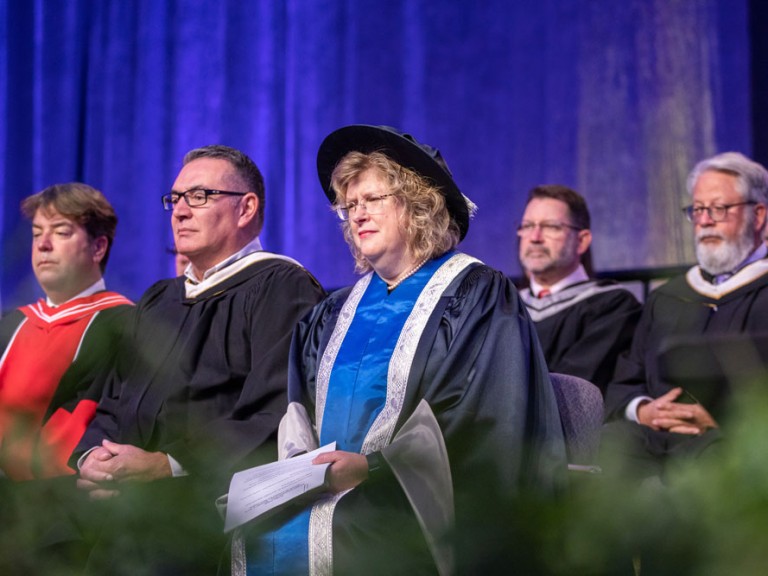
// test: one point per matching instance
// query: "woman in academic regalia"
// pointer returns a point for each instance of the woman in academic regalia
(427, 374)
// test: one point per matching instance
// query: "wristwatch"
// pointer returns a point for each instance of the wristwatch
(375, 463)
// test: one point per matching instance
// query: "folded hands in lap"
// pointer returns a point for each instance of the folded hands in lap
(111, 464)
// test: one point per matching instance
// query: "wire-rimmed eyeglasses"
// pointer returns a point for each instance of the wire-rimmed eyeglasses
(372, 205)
(194, 197)
(716, 212)
(549, 228)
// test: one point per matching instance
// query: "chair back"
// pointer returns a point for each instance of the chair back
(581, 411)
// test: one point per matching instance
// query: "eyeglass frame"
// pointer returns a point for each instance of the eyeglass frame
(690, 211)
(169, 204)
(556, 227)
(344, 212)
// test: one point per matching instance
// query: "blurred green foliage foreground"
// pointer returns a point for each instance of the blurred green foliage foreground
(707, 517)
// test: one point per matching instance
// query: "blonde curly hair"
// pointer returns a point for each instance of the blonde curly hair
(428, 228)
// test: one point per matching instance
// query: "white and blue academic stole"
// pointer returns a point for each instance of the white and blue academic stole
(363, 376)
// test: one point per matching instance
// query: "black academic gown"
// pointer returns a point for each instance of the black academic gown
(204, 380)
(479, 366)
(585, 328)
(677, 309)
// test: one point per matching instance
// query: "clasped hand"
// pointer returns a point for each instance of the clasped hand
(664, 413)
(111, 464)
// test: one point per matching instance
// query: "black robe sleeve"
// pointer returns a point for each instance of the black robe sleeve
(85, 378)
(671, 309)
(483, 372)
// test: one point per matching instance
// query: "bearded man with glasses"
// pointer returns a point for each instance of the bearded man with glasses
(583, 324)
(724, 297)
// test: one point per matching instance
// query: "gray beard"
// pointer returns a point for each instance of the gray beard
(725, 257)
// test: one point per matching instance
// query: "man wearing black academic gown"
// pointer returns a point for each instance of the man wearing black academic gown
(201, 386)
(583, 324)
(725, 294)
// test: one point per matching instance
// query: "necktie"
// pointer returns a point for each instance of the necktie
(715, 278)
(543, 293)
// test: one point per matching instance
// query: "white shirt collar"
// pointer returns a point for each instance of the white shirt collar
(97, 286)
(578, 275)
(252, 246)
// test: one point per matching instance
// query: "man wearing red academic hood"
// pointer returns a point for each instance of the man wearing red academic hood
(53, 353)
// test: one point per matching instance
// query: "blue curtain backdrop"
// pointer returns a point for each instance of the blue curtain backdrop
(616, 99)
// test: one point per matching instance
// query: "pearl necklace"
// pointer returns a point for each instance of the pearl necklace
(391, 286)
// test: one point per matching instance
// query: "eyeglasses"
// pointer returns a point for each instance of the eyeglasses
(194, 197)
(372, 205)
(716, 212)
(548, 228)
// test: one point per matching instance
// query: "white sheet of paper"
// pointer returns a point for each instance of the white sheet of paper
(258, 490)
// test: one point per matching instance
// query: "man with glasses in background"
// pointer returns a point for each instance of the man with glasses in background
(583, 324)
(725, 295)
(202, 387)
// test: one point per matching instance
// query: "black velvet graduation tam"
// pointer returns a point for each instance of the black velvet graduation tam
(403, 149)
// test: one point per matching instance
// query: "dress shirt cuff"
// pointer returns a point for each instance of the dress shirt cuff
(176, 468)
(631, 411)
(81, 460)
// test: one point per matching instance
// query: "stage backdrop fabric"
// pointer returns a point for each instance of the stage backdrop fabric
(616, 99)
